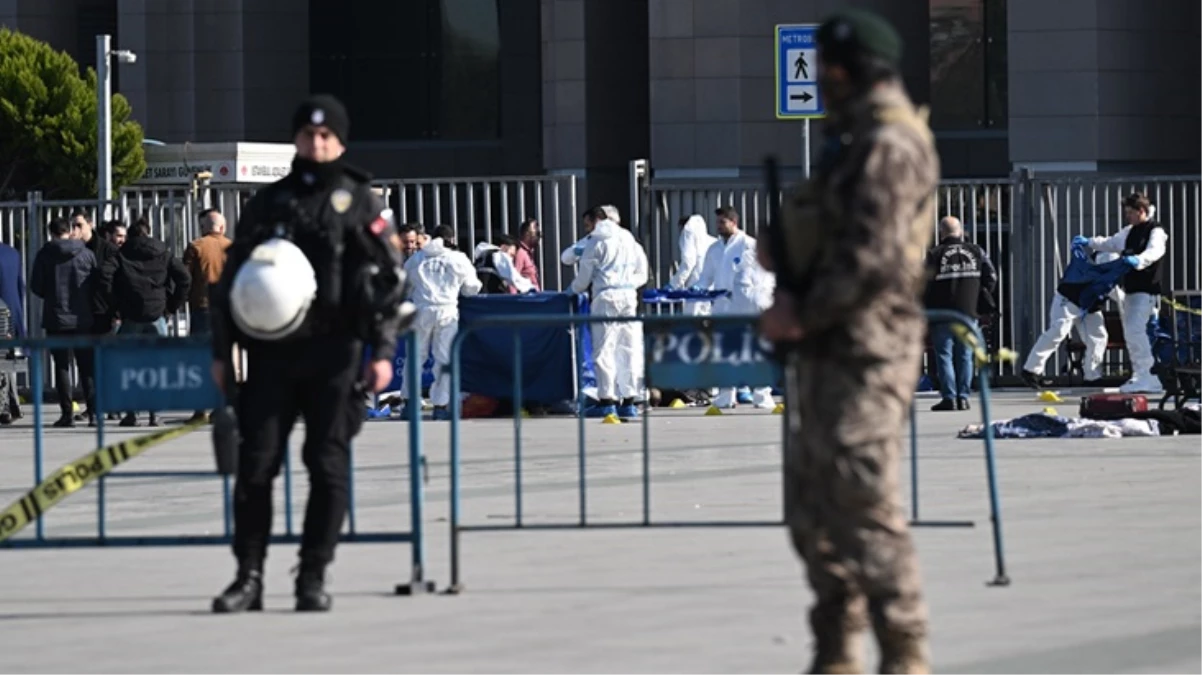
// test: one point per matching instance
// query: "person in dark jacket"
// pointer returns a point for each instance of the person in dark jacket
(12, 287)
(149, 284)
(62, 276)
(962, 279)
(100, 243)
(105, 251)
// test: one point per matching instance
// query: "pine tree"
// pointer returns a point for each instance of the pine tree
(48, 125)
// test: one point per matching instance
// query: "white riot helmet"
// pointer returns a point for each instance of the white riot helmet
(272, 291)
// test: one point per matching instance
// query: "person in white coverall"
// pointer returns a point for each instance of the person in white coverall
(614, 266)
(1142, 245)
(1063, 316)
(437, 278)
(750, 288)
(695, 243)
(572, 254)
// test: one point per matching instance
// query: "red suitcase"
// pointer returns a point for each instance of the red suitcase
(1112, 406)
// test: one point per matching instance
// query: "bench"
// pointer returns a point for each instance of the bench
(1114, 340)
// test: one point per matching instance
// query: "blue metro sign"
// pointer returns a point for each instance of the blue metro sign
(797, 95)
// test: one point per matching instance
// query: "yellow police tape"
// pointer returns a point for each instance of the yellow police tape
(979, 354)
(1183, 308)
(72, 477)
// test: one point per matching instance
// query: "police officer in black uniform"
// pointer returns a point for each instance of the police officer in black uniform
(328, 210)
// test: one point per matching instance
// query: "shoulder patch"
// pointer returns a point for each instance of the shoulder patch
(381, 223)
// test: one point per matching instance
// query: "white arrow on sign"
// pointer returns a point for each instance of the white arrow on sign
(801, 98)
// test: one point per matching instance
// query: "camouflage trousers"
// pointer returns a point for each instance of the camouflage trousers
(842, 504)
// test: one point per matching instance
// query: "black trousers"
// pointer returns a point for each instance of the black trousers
(101, 325)
(315, 380)
(85, 359)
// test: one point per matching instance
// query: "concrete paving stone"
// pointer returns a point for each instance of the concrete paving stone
(1103, 542)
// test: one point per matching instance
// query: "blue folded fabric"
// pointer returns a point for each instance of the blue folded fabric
(1099, 279)
(1034, 425)
(672, 294)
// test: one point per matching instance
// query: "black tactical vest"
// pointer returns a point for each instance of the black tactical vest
(487, 272)
(311, 221)
(1145, 280)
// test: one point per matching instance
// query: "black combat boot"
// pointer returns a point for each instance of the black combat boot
(246, 593)
(310, 588)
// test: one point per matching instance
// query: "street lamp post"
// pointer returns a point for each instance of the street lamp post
(104, 116)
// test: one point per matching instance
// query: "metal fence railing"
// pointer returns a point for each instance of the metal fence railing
(1024, 222)
(478, 208)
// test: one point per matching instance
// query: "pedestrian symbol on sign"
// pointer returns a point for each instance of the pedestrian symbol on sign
(802, 68)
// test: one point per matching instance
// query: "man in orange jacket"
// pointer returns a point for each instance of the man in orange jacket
(205, 259)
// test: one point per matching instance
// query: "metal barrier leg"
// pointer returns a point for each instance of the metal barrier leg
(580, 431)
(456, 413)
(995, 506)
(418, 584)
(227, 501)
(517, 427)
(35, 375)
(97, 400)
(913, 460)
(646, 460)
(288, 525)
(350, 489)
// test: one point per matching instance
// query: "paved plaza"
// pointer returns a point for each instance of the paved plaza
(1103, 542)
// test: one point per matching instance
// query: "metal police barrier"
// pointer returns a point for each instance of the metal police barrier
(151, 373)
(731, 355)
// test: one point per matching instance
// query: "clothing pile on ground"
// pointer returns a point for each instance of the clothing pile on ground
(1044, 425)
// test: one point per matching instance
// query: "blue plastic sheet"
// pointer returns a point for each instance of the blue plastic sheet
(654, 295)
(547, 364)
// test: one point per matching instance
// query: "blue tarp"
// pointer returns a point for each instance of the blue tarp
(488, 353)
(547, 364)
(678, 294)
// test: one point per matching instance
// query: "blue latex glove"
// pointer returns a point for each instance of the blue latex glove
(1080, 241)
(1131, 261)
(578, 251)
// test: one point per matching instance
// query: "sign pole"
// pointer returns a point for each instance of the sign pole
(797, 93)
(805, 148)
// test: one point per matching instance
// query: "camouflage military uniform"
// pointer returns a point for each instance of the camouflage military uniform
(856, 372)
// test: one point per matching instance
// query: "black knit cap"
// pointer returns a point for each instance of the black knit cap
(323, 110)
(854, 31)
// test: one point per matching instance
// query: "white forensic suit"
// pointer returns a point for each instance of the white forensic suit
(614, 265)
(438, 278)
(1139, 305)
(502, 265)
(750, 289)
(1063, 316)
(695, 243)
(572, 254)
